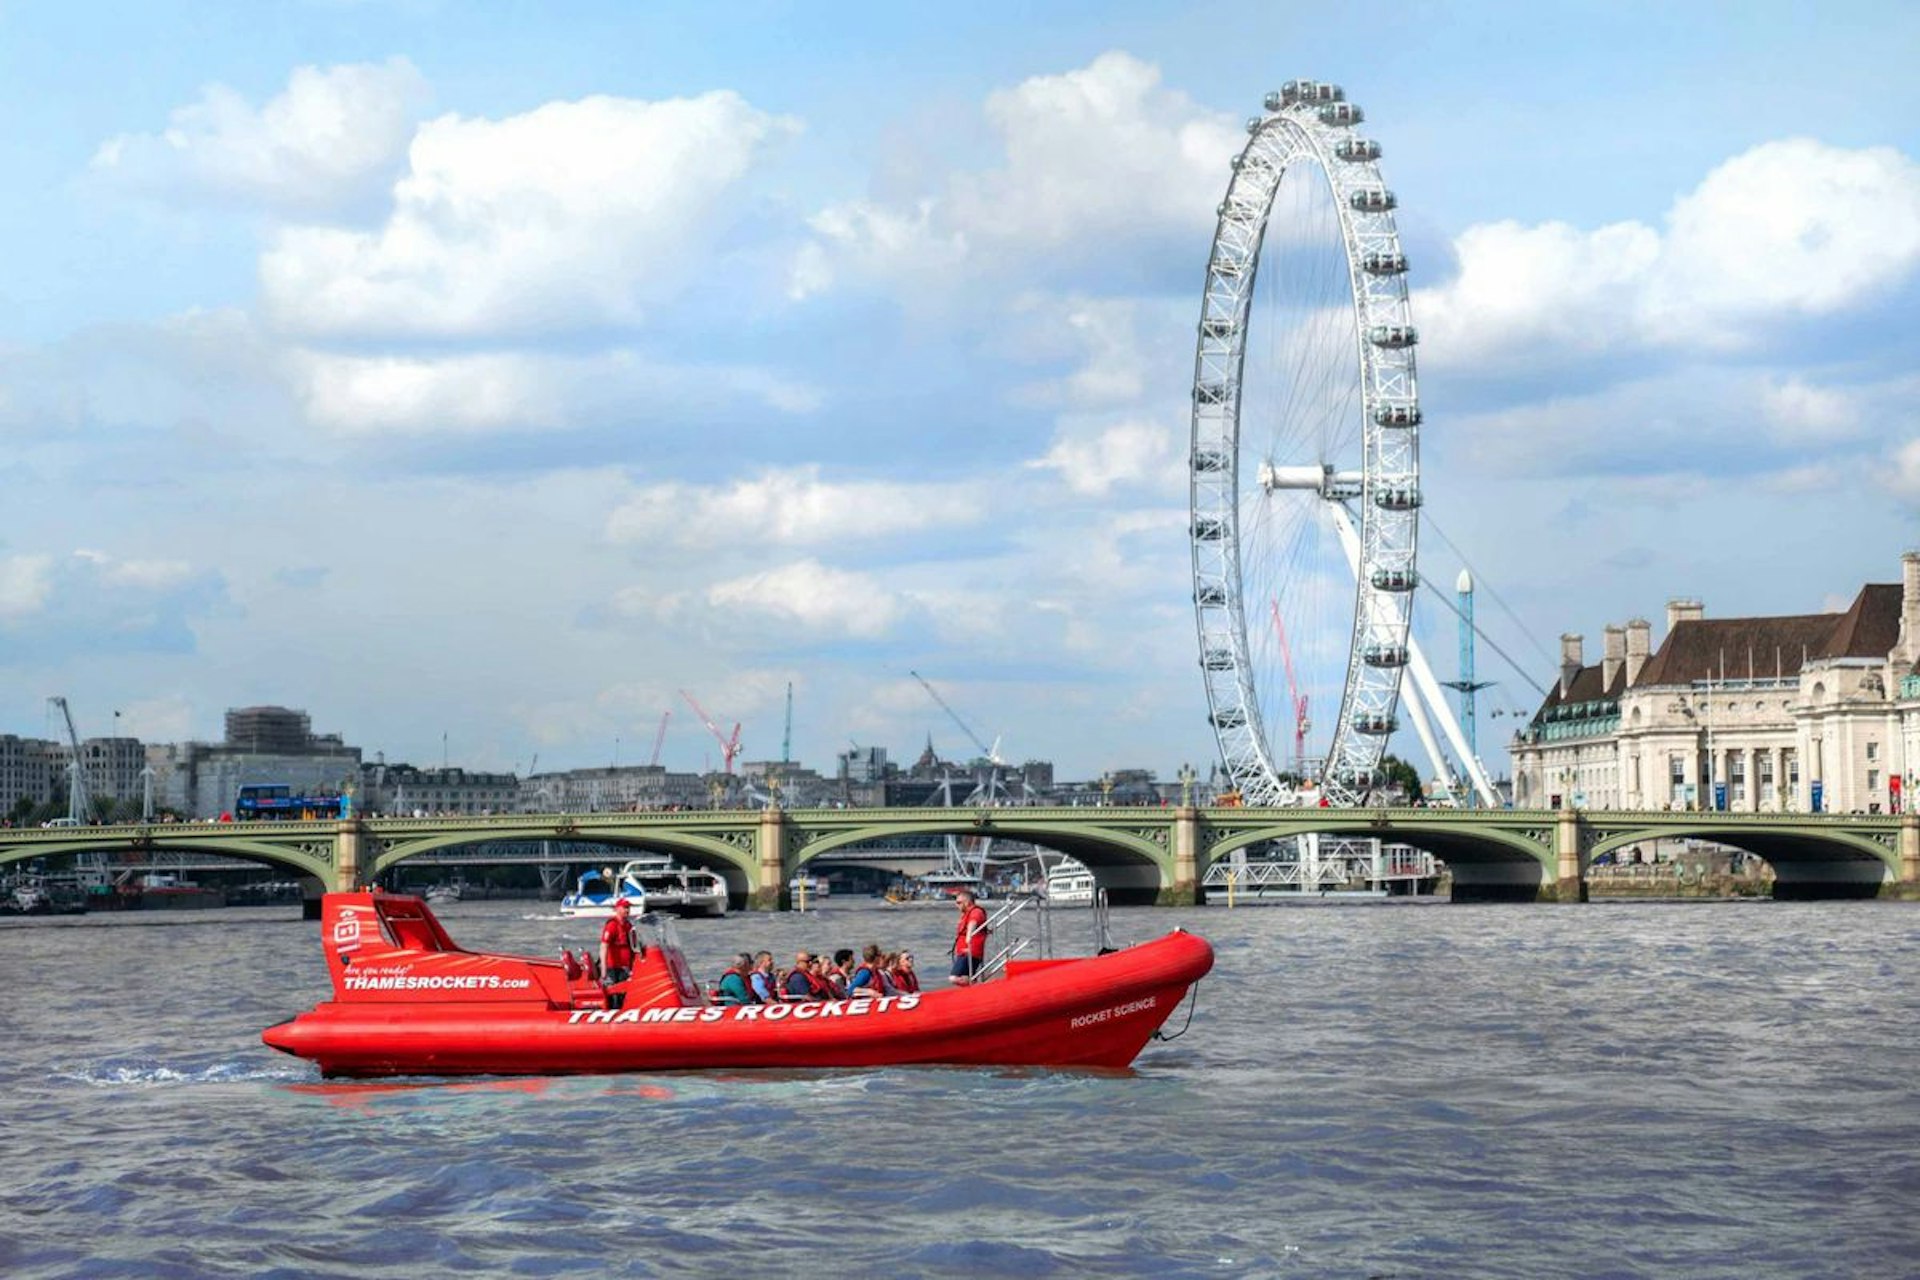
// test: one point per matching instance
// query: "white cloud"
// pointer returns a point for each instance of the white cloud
(788, 508)
(25, 582)
(329, 137)
(491, 392)
(817, 597)
(1788, 228)
(572, 215)
(1800, 411)
(1095, 461)
(1091, 159)
(155, 575)
(453, 395)
(1904, 479)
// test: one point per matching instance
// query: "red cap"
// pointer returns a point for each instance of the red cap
(621, 904)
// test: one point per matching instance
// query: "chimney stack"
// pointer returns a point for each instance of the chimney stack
(1613, 653)
(1571, 648)
(1639, 647)
(1907, 649)
(1679, 611)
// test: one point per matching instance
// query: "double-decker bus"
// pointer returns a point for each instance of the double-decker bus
(276, 802)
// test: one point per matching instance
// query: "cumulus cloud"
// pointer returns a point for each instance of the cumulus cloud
(1903, 478)
(788, 508)
(1097, 156)
(94, 602)
(1789, 228)
(25, 582)
(1799, 411)
(818, 598)
(486, 393)
(570, 216)
(329, 138)
(1094, 461)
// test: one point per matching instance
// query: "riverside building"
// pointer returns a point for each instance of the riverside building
(1799, 713)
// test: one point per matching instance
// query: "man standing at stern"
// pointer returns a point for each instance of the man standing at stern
(969, 939)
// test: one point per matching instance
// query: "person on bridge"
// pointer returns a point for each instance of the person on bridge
(969, 939)
(618, 946)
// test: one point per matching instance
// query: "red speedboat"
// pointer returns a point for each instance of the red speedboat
(408, 1001)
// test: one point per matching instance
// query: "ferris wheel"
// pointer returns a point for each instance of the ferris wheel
(1305, 466)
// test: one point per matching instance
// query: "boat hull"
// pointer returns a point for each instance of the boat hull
(1094, 1012)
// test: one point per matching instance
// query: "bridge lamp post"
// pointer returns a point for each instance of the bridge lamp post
(1186, 785)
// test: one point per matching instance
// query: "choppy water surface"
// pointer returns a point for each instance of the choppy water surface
(1696, 1090)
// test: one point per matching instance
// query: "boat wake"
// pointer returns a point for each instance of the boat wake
(123, 1073)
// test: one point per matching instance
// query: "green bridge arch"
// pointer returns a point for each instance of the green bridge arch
(1145, 854)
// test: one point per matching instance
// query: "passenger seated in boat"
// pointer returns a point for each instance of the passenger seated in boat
(840, 971)
(763, 981)
(904, 977)
(869, 976)
(800, 983)
(734, 987)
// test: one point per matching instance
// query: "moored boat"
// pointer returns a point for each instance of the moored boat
(597, 891)
(408, 1001)
(1070, 884)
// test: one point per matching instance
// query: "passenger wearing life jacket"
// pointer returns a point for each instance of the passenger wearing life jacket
(869, 977)
(802, 983)
(969, 939)
(904, 975)
(764, 983)
(617, 948)
(734, 985)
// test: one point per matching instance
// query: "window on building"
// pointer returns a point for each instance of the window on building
(1677, 779)
(1873, 782)
(1766, 780)
(1737, 776)
(1873, 751)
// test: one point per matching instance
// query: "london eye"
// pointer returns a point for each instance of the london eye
(1305, 460)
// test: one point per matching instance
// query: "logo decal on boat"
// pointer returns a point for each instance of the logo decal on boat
(807, 1012)
(1117, 1011)
(346, 932)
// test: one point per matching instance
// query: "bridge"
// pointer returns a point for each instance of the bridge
(1140, 855)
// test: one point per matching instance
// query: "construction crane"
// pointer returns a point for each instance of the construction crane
(729, 747)
(1297, 700)
(991, 753)
(77, 787)
(786, 739)
(660, 736)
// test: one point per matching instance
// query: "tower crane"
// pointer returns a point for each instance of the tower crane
(1297, 700)
(76, 788)
(729, 747)
(992, 753)
(786, 739)
(660, 736)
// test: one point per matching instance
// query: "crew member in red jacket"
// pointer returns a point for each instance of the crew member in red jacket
(969, 939)
(617, 947)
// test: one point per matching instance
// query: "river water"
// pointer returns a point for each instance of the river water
(1391, 1089)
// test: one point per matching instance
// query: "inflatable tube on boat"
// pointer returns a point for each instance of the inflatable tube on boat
(408, 1001)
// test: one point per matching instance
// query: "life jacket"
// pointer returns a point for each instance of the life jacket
(907, 980)
(746, 984)
(975, 943)
(874, 983)
(817, 989)
(617, 936)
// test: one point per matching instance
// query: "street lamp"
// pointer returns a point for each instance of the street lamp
(1186, 785)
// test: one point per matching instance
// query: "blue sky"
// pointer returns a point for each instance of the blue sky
(487, 372)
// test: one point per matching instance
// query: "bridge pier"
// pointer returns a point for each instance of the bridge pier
(1570, 881)
(346, 855)
(1185, 889)
(769, 846)
(1908, 886)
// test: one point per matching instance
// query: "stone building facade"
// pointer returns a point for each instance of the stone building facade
(1754, 715)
